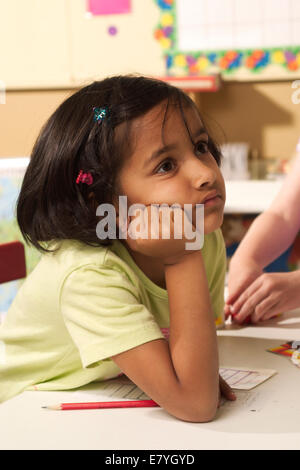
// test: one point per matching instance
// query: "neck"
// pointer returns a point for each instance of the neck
(153, 268)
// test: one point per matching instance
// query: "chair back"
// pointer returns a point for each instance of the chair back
(12, 261)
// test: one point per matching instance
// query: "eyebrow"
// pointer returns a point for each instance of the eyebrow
(157, 153)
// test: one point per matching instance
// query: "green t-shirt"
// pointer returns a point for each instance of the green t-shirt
(80, 306)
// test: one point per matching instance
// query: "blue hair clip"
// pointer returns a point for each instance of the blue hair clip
(100, 113)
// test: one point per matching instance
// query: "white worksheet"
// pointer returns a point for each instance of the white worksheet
(122, 388)
(245, 379)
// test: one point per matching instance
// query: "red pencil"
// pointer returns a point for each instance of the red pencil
(103, 405)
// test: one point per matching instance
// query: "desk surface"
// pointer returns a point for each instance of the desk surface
(266, 417)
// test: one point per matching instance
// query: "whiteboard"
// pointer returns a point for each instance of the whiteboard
(237, 24)
(239, 38)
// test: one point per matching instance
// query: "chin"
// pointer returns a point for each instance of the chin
(212, 223)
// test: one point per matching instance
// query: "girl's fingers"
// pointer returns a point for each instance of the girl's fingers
(226, 390)
(121, 222)
(154, 216)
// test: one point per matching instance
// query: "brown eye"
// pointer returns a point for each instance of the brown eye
(164, 164)
(201, 148)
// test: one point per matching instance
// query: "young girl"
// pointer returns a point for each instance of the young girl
(94, 308)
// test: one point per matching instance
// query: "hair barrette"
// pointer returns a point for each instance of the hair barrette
(84, 178)
(100, 113)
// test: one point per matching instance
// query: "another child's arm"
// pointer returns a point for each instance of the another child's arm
(270, 235)
(182, 376)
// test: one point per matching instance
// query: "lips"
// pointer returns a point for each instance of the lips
(210, 195)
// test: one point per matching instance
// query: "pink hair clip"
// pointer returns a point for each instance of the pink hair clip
(84, 178)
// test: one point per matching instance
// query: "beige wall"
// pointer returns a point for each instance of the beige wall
(22, 117)
(55, 44)
(260, 113)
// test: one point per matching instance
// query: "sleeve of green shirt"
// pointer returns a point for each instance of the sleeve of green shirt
(103, 314)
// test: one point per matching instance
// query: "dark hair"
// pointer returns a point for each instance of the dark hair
(51, 206)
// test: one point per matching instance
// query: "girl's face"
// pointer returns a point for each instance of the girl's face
(173, 170)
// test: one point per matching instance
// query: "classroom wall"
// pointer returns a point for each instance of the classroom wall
(45, 44)
(22, 117)
(49, 49)
(262, 114)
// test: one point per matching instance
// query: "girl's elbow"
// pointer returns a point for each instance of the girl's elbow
(196, 414)
(200, 417)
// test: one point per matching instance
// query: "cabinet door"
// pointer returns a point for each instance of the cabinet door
(97, 52)
(34, 43)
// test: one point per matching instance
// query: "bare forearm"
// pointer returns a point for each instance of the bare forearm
(193, 340)
(267, 238)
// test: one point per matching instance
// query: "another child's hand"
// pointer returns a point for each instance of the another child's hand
(225, 390)
(267, 296)
(168, 249)
(241, 275)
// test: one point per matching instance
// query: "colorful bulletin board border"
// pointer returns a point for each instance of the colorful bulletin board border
(224, 61)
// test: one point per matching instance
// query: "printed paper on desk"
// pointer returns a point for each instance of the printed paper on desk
(122, 388)
(118, 389)
(245, 379)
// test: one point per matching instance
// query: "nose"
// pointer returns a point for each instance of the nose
(202, 174)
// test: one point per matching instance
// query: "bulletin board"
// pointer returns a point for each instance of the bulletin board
(69, 43)
(241, 39)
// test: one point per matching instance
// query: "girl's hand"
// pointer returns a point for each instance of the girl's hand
(241, 276)
(169, 249)
(269, 295)
(225, 390)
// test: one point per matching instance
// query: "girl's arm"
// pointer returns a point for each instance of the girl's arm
(182, 376)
